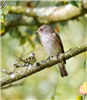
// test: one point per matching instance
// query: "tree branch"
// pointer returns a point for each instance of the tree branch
(24, 21)
(27, 71)
(48, 15)
(13, 85)
(3, 4)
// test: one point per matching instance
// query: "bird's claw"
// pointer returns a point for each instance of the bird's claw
(48, 58)
(57, 55)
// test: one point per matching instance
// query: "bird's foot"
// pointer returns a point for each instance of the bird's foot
(57, 55)
(49, 57)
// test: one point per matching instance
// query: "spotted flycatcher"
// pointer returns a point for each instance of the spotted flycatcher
(52, 43)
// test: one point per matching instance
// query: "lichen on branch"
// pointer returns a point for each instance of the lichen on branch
(46, 15)
(37, 66)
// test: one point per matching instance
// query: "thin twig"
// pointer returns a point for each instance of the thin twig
(3, 4)
(37, 3)
(19, 58)
(6, 72)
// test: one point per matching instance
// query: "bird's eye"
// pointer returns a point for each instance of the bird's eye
(41, 29)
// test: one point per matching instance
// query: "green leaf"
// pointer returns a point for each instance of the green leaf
(14, 32)
(5, 10)
(2, 19)
(79, 97)
(2, 28)
(22, 40)
(74, 3)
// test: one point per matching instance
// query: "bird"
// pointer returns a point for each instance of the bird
(52, 43)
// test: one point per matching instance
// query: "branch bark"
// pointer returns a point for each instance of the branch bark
(3, 4)
(27, 71)
(48, 15)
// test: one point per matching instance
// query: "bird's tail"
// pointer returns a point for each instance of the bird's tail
(62, 69)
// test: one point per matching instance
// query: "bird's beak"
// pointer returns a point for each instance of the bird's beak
(36, 32)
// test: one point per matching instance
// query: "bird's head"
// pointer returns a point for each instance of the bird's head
(44, 29)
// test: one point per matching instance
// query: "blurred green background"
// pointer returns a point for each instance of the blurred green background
(46, 84)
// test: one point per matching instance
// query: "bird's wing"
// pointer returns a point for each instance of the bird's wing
(59, 41)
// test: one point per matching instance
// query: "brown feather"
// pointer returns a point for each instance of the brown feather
(60, 42)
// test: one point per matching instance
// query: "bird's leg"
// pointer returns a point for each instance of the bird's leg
(48, 58)
(57, 55)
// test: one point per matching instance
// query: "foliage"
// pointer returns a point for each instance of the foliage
(75, 3)
(4, 11)
(21, 40)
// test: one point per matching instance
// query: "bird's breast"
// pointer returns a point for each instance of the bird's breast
(51, 45)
